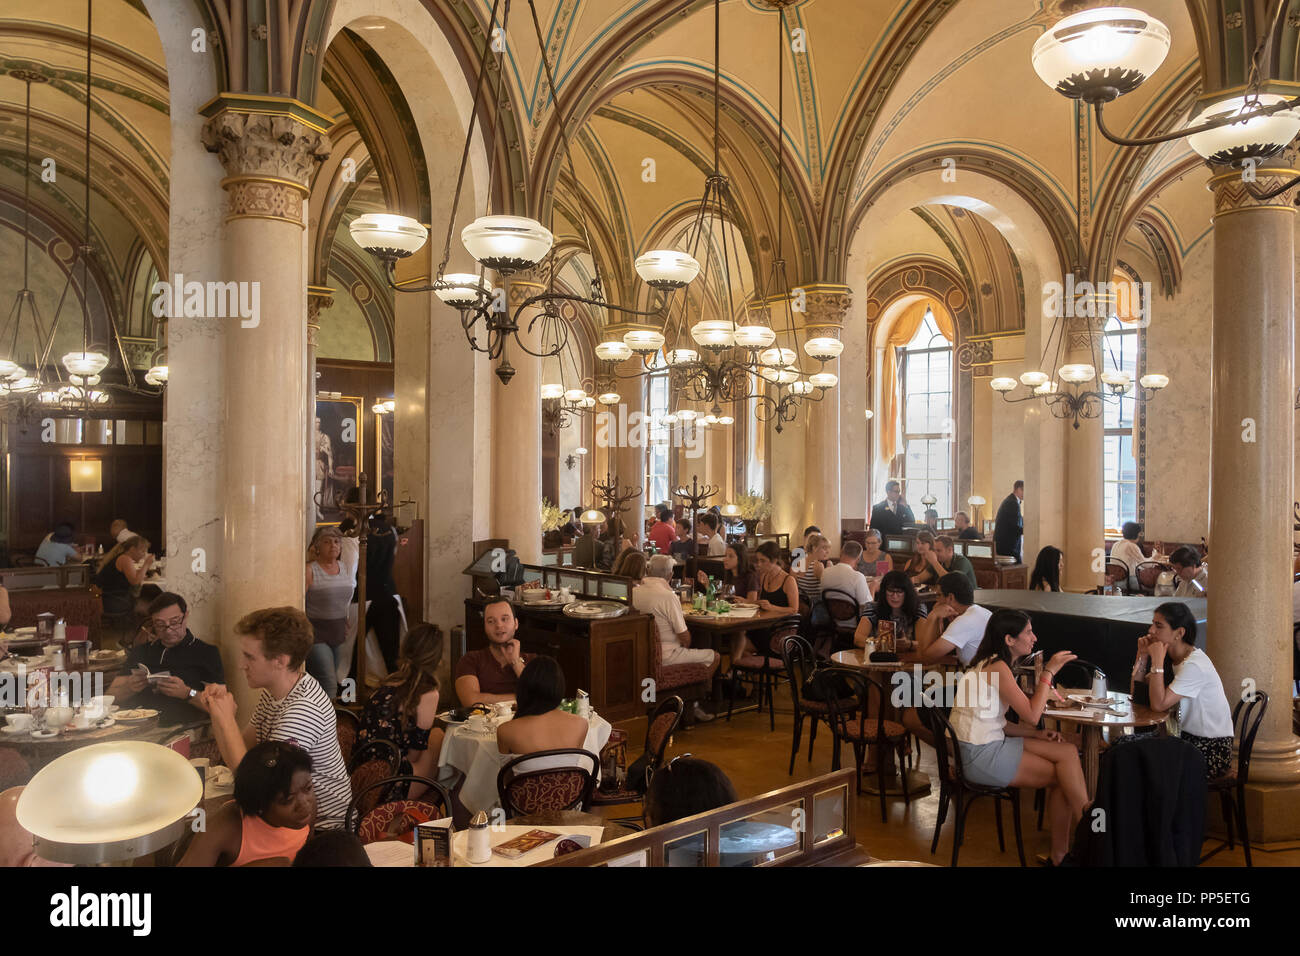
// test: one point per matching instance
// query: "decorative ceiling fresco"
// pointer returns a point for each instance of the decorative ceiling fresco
(875, 92)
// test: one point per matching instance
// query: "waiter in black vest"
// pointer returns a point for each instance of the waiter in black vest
(1010, 524)
(889, 516)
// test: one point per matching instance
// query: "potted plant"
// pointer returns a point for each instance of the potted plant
(552, 519)
(753, 508)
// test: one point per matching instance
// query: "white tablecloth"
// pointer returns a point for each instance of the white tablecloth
(398, 854)
(476, 756)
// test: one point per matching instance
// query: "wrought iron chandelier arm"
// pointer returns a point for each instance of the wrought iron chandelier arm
(562, 297)
(1274, 192)
(1191, 130)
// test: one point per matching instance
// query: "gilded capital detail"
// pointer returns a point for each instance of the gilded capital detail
(1233, 192)
(316, 301)
(269, 159)
(826, 307)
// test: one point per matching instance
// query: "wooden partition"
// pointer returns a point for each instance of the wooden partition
(805, 824)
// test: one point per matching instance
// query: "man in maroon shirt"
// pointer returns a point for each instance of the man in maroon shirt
(492, 673)
(663, 532)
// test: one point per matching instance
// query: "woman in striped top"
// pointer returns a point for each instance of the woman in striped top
(817, 558)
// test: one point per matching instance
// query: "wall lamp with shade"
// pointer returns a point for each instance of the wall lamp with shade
(87, 475)
(976, 502)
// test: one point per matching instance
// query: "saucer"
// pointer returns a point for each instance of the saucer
(44, 734)
(13, 731)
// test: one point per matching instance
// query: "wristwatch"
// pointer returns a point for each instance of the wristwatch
(193, 693)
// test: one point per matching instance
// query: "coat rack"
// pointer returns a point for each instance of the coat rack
(696, 495)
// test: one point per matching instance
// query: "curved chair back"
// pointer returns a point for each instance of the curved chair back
(661, 726)
(831, 682)
(947, 753)
(1117, 572)
(378, 823)
(841, 606)
(1148, 572)
(349, 728)
(1246, 718)
(372, 761)
(550, 789)
(800, 661)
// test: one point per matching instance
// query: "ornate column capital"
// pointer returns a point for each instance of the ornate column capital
(825, 308)
(318, 298)
(269, 158)
(527, 283)
(1234, 192)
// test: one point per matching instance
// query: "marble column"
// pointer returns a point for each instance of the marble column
(1085, 531)
(517, 434)
(1251, 461)
(854, 431)
(269, 158)
(629, 454)
(318, 298)
(827, 307)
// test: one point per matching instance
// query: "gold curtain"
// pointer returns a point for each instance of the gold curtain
(891, 388)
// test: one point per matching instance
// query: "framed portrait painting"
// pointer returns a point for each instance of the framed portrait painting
(336, 448)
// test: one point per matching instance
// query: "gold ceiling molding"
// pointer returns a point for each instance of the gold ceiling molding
(925, 276)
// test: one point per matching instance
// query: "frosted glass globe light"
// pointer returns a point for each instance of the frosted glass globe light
(682, 356)
(778, 357)
(552, 390)
(754, 337)
(1252, 139)
(714, 334)
(824, 348)
(86, 363)
(1097, 55)
(1033, 379)
(613, 351)
(1077, 374)
(9, 368)
(823, 380)
(667, 268)
(387, 236)
(727, 420)
(1116, 379)
(575, 395)
(1003, 384)
(687, 415)
(609, 398)
(1047, 388)
(643, 341)
(507, 243)
(1154, 381)
(461, 290)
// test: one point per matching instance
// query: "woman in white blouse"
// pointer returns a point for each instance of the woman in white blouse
(1130, 552)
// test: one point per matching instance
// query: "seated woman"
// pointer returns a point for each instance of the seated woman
(809, 581)
(684, 787)
(919, 569)
(1047, 570)
(630, 564)
(120, 572)
(539, 724)
(1204, 717)
(270, 817)
(999, 754)
(874, 563)
(736, 574)
(896, 601)
(777, 588)
(1193, 581)
(402, 709)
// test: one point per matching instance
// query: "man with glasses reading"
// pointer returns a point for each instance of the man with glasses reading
(187, 662)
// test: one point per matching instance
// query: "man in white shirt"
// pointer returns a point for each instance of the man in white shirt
(845, 577)
(968, 619)
(1130, 552)
(120, 531)
(717, 543)
(654, 596)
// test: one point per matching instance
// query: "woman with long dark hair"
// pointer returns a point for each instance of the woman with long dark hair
(777, 588)
(402, 709)
(1204, 717)
(896, 601)
(1047, 570)
(539, 724)
(919, 569)
(736, 573)
(996, 753)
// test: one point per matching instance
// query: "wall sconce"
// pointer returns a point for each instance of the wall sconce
(87, 475)
(570, 461)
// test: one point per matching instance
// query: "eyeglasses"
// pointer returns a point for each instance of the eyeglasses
(894, 591)
(173, 625)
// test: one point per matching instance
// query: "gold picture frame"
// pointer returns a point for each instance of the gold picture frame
(339, 429)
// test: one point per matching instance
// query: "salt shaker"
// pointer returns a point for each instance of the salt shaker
(479, 842)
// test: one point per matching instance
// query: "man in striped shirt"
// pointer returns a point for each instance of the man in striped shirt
(293, 707)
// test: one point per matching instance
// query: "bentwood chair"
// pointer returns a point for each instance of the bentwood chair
(548, 789)
(842, 613)
(800, 663)
(1117, 572)
(1231, 787)
(371, 761)
(1148, 573)
(348, 725)
(660, 727)
(762, 672)
(857, 727)
(393, 819)
(954, 787)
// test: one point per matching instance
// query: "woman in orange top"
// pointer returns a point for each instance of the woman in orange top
(270, 817)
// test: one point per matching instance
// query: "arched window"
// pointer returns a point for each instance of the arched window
(659, 454)
(1119, 463)
(925, 370)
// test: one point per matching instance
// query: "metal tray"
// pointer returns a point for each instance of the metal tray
(595, 610)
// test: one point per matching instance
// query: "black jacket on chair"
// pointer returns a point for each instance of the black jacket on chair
(1009, 526)
(1152, 793)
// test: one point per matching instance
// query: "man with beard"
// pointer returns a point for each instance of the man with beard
(491, 674)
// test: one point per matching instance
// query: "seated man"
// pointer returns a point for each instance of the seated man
(965, 530)
(273, 644)
(845, 577)
(491, 674)
(683, 547)
(950, 560)
(717, 545)
(654, 596)
(58, 548)
(663, 533)
(190, 663)
(966, 630)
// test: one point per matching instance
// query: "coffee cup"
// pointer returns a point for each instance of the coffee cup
(19, 722)
(477, 723)
(504, 709)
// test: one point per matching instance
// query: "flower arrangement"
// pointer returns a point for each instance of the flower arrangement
(552, 516)
(753, 507)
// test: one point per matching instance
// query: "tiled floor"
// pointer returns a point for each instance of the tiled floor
(756, 759)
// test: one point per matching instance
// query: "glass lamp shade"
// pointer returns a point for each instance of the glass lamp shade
(725, 420)
(643, 341)
(592, 516)
(710, 419)
(22, 385)
(90, 362)
(461, 289)
(1116, 379)
(823, 380)
(1154, 381)
(609, 398)
(8, 368)
(670, 419)
(714, 334)
(86, 476)
(976, 500)
(1003, 384)
(109, 802)
(754, 337)
(1097, 55)
(870, 414)
(682, 356)
(1033, 379)
(613, 352)
(388, 236)
(778, 357)
(667, 268)
(84, 379)
(731, 511)
(552, 391)
(574, 396)
(1253, 139)
(159, 374)
(1047, 388)
(507, 243)
(580, 451)
(779, 376)
(824, 347)
(687, 415)
(801, 387)
(1078, 373)
(587, 402)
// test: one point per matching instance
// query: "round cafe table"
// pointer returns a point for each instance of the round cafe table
(1091, 721)
(918, 783)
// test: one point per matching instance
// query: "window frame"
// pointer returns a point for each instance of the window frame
(904, 356)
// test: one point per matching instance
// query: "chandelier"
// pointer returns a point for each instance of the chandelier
(504, 244)
(712, 359)
(44, 387)
(1099, 55)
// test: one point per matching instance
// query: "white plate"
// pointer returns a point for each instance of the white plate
(102, 724)
(44, 734)
(138, 713)
(106, 655)
(1089, 701)
(13, 731)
